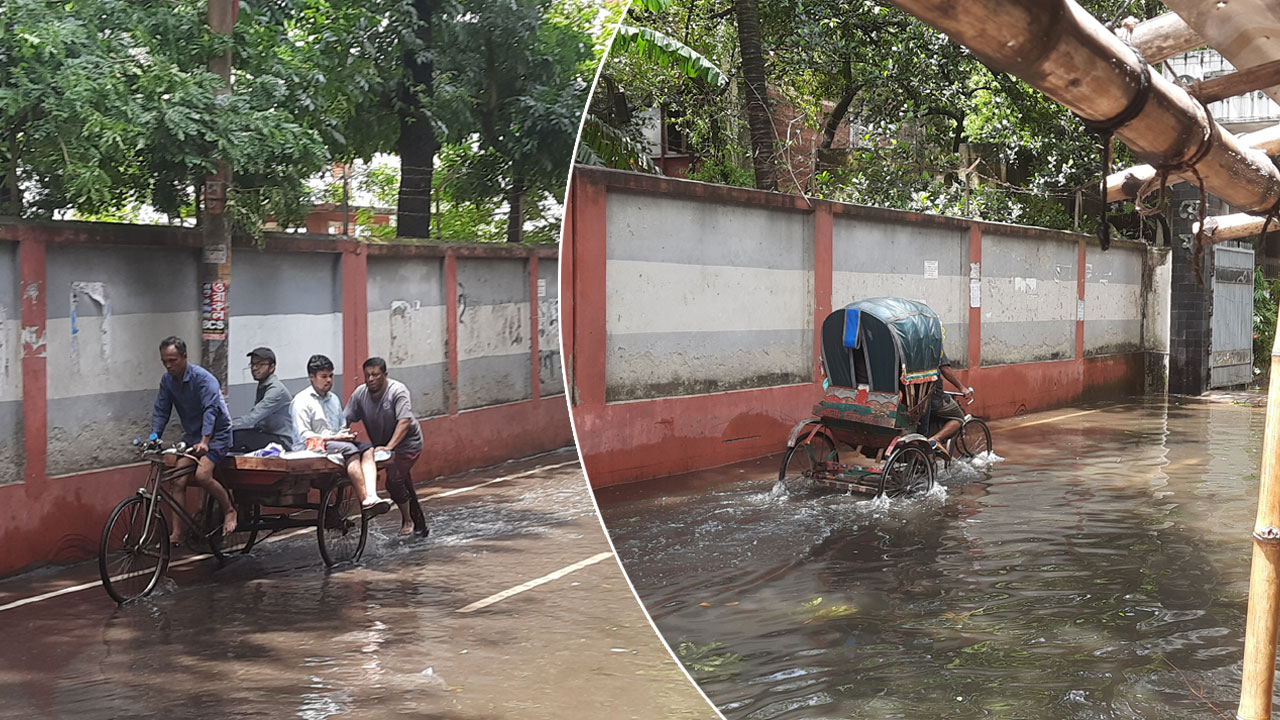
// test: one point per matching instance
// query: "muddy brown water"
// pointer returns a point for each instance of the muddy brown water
(1100, 571)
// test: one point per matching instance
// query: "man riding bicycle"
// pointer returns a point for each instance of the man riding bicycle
(206, 425)
(942, 408)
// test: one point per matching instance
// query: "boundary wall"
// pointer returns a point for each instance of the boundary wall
(84, 306)
(692, 339)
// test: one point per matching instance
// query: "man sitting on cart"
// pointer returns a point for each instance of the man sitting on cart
(943, 408)
(269, 420)
(382, 404)
(319, 426)
(206, 425)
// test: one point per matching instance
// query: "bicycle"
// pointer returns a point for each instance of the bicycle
(135, 549)
(972, 439)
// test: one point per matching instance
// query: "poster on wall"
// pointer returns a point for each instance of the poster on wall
(214, 316)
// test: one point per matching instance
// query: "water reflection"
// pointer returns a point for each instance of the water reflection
(1101, 571)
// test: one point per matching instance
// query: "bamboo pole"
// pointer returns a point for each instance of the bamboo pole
(1124, 185)
(1238, 83)
(1063, 51)
(1233, 227)
(1259, 671)
(1160, 38)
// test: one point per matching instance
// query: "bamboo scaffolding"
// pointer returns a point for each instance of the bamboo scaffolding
(1063, 51)
(1259, 670)
(1160, 38)
(1124, 185)
(1233, 227)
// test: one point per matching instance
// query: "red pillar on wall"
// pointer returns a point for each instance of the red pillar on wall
(823, 261)
(535, 360)
(355, 313)
(35, 400)
(590, 319)
(975, 313)
(451, 328)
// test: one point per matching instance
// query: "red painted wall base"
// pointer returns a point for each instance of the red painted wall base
(646, 439)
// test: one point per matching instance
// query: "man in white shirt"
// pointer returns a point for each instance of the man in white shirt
(320, 426)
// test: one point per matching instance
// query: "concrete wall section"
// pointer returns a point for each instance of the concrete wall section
(704, 298)
(11, 426)
(872, 258)
(1113, 299)
(407, 327)
(494, 325)
(291, 303)
(550, 376)
(1028, 299)
(108, 309)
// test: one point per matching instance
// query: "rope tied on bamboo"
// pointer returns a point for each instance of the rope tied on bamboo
(1105, 129)
(1160, 182)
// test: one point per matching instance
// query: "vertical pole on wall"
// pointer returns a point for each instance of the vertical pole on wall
(823, 271)
(590, 299)
(975, 301)
(35, 399)
(1080, 308)
(451, 329)
(567, 291)
(535, 353)
(215, 265)
(1258, 675)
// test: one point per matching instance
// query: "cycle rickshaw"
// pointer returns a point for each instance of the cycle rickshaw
(880, 361)
(270, 494)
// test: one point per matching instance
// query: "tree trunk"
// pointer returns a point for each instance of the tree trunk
(10, 190)
(515, 212)
(835, 118)
(417, 144)
(758, 117)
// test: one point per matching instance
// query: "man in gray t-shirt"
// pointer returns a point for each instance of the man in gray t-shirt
(383, 406)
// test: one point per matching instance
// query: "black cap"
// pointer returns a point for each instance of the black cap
(264, 353)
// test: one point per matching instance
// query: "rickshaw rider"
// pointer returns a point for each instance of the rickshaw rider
(943, 407)
(206, 425)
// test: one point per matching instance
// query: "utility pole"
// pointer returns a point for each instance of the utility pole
(215, 265)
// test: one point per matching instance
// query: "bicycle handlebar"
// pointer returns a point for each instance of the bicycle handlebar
(156, 447)
(960, 394)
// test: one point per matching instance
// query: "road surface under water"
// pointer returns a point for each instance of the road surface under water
(275, 635)
(1100, 571)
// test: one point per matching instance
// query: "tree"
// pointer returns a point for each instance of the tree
(758, 115)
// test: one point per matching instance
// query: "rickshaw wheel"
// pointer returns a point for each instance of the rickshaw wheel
(237, 542)
(341, 527)
(800, 462)
(907, 472)
(975, 437)
(129, 562)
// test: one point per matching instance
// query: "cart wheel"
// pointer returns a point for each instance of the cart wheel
(134, 551)
(340, 525)
(239, 541)
(975, 437)
(907, 472)
(801, 461)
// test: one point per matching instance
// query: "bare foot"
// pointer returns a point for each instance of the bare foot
(175, 539)
(406, 529)
(229, 524)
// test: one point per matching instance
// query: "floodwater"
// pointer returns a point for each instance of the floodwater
(1100, 571)
(275, 635)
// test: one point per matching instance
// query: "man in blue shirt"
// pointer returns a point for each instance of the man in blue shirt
(206, 425)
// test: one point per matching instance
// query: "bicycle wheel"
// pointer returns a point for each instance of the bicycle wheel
(341, 526)
(803, 460)
(907, 472)
(237, 542)
(975, 437)
(134, 550)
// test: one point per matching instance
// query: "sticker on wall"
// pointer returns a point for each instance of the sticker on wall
(542, 287)
(214, 320)
(1080, 309)
(975, 271)
(86, 295)
(975, 293)
(931, 268)
(1063, 273)
(1025, 285)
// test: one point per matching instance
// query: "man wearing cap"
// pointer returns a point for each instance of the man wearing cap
(270, 420)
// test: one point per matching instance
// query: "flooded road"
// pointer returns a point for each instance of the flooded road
(1100, 571)
(511, 608)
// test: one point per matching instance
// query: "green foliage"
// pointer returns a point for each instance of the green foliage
(664, 51)
(1266, 295)
(705, 659)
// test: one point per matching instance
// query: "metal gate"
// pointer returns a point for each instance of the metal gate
(1231, 341)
